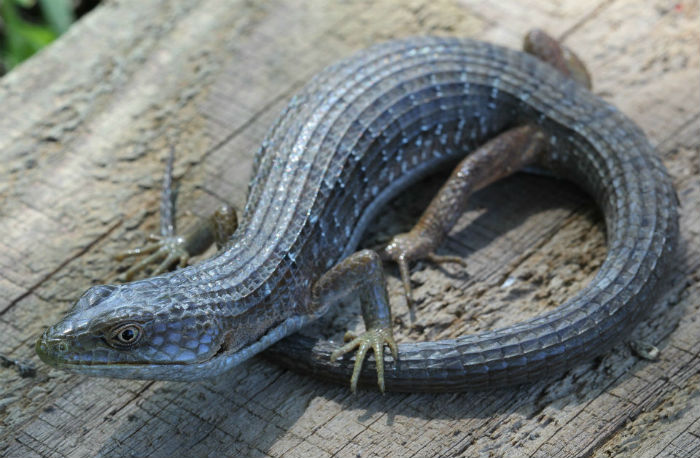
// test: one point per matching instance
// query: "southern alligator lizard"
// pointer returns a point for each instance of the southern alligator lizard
(360, 132)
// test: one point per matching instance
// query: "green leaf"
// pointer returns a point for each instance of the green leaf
(22, 38)
(58, 13)
(25, 3)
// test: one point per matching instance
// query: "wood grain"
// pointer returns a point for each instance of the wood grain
(85, 127)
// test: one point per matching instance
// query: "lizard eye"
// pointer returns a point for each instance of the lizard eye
(125, 335)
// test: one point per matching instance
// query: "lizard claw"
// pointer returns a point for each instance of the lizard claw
(374, 339)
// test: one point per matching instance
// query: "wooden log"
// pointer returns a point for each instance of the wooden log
(85, 127)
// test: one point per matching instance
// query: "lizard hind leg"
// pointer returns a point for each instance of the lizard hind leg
(496, 159)
(505, 154)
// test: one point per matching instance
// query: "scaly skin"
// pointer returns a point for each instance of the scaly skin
(355, 136)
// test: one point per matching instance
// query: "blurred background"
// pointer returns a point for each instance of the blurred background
(26, 26)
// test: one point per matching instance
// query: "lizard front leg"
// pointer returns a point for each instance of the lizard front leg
(168, 248)
(361, 274)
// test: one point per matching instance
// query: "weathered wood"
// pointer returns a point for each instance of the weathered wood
(86, 125)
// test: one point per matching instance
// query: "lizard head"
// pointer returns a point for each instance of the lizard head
(132, 331)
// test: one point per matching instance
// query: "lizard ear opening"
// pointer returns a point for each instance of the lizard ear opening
(226, 344)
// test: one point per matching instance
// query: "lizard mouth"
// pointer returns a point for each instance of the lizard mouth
(141, 370)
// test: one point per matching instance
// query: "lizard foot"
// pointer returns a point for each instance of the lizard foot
(407, 247)
(374, 339)
(167, 250)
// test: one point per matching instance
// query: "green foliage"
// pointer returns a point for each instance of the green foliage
(58, 14)
(23, 37)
